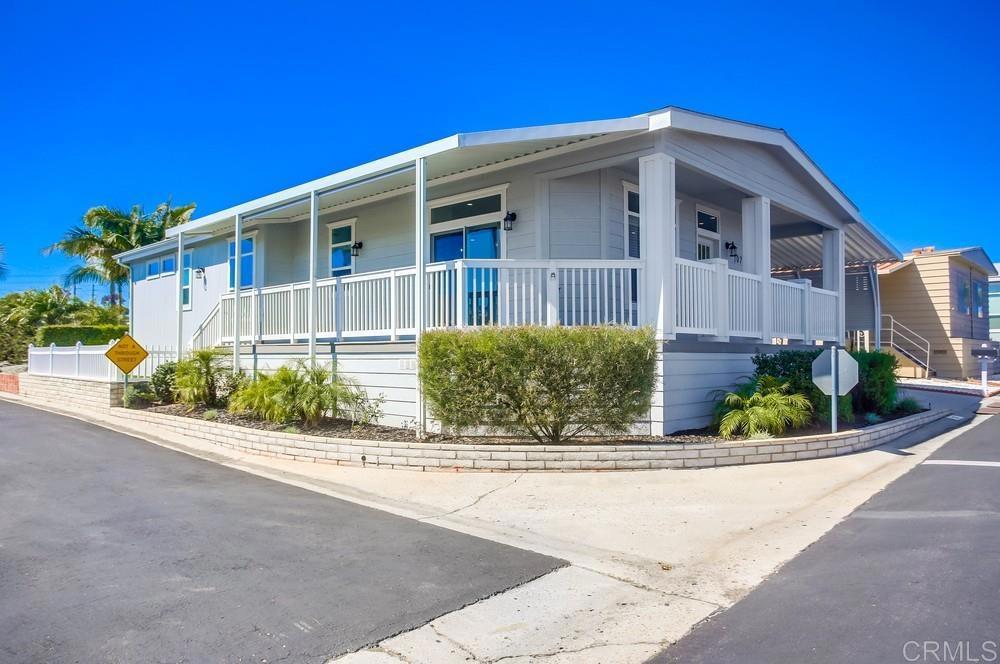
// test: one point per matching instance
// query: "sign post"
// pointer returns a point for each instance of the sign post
(986, 354)
(126, 354)
(835, 373)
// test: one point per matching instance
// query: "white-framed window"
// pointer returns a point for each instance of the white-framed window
(186, 290)
(468, 225)
(341, 236)
(248, 246)
(709, 232)
(632, 220)
(153, 269)
(168, 265)
(631, 206)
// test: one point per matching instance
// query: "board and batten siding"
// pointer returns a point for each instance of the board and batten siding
(757, 168)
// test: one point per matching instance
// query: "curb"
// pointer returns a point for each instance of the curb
(505, 458)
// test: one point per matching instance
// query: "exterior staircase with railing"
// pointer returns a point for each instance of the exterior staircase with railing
(907, 344)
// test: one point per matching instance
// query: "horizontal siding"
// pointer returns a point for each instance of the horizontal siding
(693, 381)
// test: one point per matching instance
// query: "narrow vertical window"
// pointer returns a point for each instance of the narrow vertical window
(341, 239)
(186, 281)
(708, 233)
(632, 239)
(246, 262)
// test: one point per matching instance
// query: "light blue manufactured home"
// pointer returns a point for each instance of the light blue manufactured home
(672, 219)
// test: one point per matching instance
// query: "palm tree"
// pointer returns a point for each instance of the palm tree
(108, 231)
(33, 308)
(3, 266)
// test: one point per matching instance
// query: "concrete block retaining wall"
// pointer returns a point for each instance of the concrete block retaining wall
(73, 392)
(520, 458)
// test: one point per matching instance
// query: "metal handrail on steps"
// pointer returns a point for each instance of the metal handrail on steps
(897, 329)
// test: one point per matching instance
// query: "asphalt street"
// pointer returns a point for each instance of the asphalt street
(113, 549)
(911, 576)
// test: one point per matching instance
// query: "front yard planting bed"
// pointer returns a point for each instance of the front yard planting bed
(335, 442)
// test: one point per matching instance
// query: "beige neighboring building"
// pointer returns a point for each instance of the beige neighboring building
(935, 308)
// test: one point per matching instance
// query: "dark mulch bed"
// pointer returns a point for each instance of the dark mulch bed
(328, 427)
(343, 429)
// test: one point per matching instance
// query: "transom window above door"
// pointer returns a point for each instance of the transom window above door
(468, 208)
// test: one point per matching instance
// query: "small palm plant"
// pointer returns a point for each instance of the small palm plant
(294, 393)
(765, 406)
(197, 377)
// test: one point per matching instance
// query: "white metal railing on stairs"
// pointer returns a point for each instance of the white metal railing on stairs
(906, 342)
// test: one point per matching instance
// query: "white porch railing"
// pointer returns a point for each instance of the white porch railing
(465, 293)
(712, 299)
(89, 362)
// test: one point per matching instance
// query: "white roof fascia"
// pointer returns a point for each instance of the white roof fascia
(330, 181)
(554, 131)
(161, 246)
(705, 124)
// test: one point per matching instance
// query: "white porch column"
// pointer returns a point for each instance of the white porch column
(658, 222)
(757, 254)
(313, 244)
(237, 305)
(180, 294)
(833, 275)
(419, 278)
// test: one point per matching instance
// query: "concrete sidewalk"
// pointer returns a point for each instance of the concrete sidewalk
(652, 552)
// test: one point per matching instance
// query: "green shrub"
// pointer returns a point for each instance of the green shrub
(210, 415)
(876, 391)
(795, 368)
(197, 377)
(227, 382)
(163, 382)
(765, 405)
(551, 383)
(136, 397)
(294, 393)
(909, 406)
(361, 409)
(872, 418)
(88, 335)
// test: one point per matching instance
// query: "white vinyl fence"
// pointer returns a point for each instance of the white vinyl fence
(89, 362)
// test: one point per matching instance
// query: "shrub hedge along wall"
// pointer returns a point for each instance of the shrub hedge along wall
(88, 335)
(875, 392)
(550, 383)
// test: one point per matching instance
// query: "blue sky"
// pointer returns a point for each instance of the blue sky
(107, 103)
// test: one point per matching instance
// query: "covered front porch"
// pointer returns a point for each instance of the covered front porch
(712, 300)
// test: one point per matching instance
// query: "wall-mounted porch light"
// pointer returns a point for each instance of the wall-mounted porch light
(199, 273)
(508, 221)
(734, 252)
(356, 248)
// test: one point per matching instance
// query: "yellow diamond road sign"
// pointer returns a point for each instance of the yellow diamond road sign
(127, 354)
